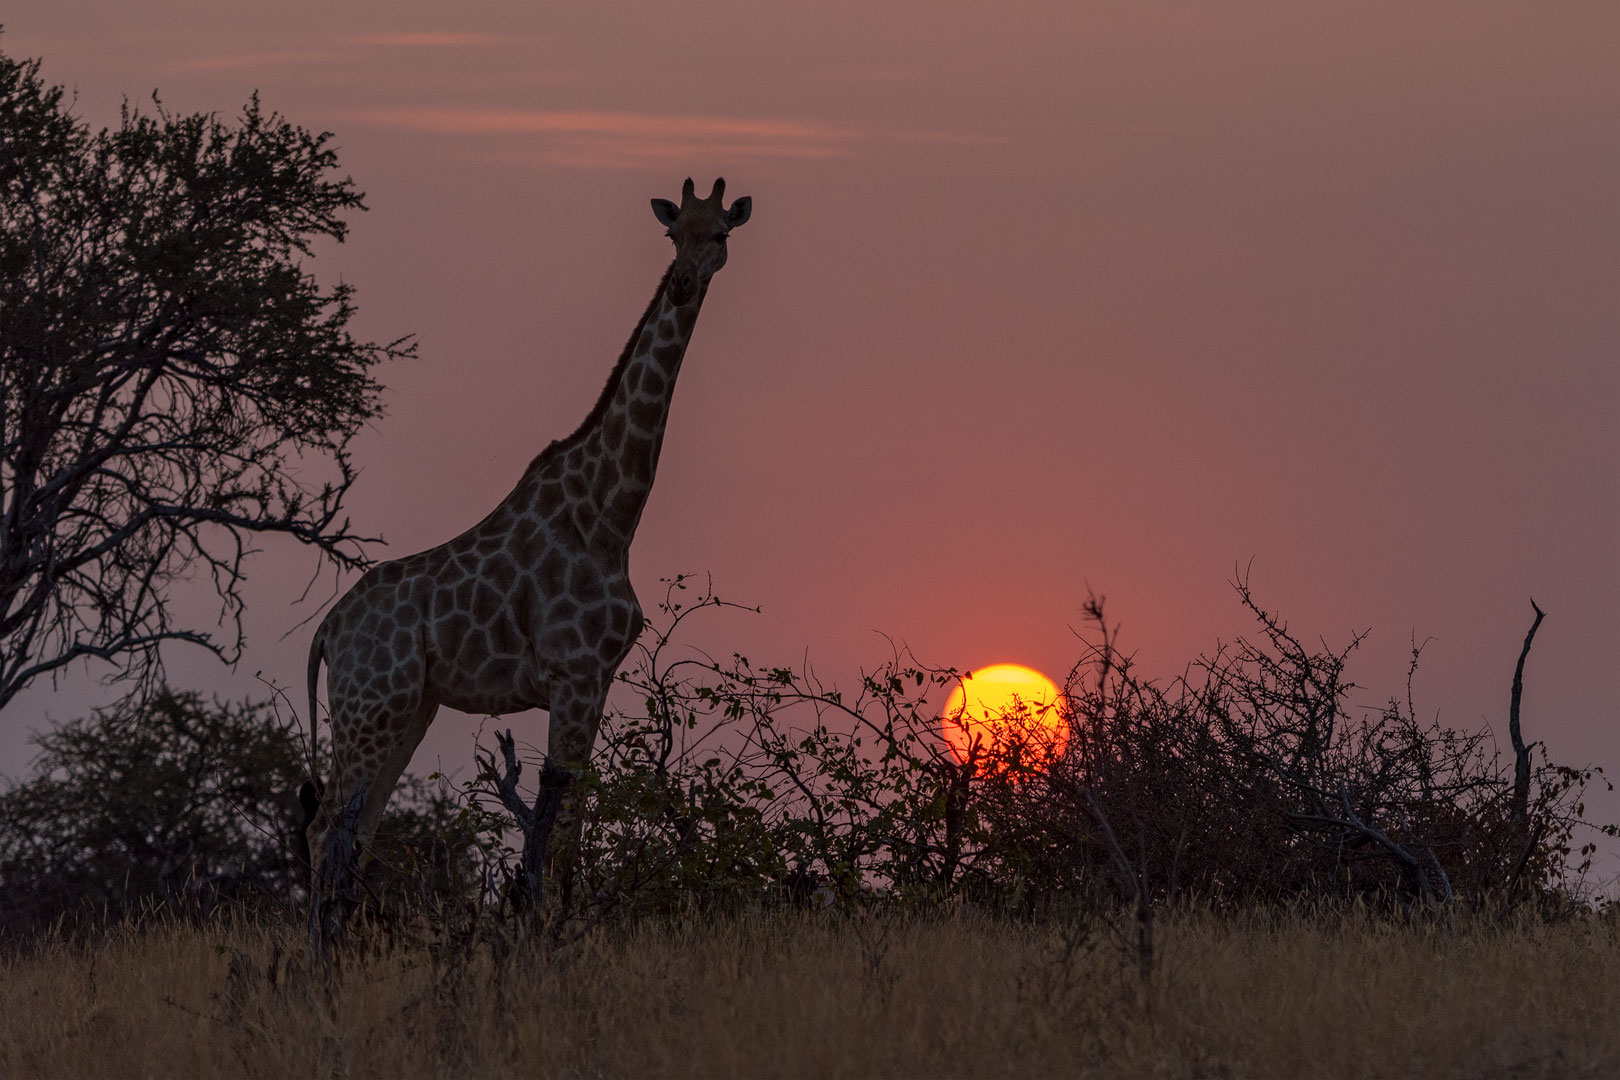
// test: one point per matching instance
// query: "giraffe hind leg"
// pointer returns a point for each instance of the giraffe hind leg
(334, 888)
(381, 784)
(367, 760)
(369, 768)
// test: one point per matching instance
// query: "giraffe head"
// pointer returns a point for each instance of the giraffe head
(699, 228)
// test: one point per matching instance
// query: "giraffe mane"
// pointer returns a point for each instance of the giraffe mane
(605, 399)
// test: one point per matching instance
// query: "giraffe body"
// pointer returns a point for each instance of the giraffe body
(532, 607)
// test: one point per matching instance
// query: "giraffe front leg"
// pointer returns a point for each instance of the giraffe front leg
(537, 829)
(551, 834)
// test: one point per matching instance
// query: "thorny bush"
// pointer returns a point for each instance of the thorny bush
(1249, 778)
(726, 786)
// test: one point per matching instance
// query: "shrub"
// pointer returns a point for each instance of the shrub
(1249, 779)
(184, 804)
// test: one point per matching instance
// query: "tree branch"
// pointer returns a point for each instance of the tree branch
(1521, 752)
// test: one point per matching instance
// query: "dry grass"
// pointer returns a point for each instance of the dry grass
(798, 996)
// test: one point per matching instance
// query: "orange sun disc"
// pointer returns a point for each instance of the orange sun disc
(1006, 708)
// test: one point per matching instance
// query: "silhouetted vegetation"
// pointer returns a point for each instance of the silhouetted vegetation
(1249, 779)
(173, 382)
(726, 787)
(186, 807)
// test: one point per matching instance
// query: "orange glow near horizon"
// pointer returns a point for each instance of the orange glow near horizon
(1001, 703)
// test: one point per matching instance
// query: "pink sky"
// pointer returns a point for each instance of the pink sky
(1034, 296)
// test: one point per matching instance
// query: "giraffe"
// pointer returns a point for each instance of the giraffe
(532, 607)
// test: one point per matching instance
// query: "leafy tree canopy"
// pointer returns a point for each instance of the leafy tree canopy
(172, 381)
(131, 805)
(186, 803)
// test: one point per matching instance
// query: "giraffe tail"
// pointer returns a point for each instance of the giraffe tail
(309, 795)
(317, 653)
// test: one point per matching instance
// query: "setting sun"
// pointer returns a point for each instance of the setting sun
(1001, 704)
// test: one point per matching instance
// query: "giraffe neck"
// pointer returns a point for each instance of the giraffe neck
(620, 449)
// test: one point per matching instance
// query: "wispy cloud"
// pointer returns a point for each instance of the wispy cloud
(596, 138)
(281, 58)
(951, 138)
(483, 121)
(265, 59)
(427, 39)
(868, 73)
(592, 153)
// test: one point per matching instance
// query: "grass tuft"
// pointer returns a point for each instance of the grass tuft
(1248, 995)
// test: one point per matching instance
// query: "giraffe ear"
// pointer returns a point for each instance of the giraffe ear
(666, 212)
(738, 214)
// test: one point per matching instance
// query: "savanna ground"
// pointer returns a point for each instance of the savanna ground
(1346, 994)
(1231, 875)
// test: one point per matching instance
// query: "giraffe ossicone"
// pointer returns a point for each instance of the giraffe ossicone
(532, 607)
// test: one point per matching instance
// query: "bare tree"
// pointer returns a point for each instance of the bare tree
(172, 382)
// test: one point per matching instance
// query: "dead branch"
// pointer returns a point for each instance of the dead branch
(506, 782)
(1521, 752)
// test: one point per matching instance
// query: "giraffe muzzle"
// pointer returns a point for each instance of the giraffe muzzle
(682, 287)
